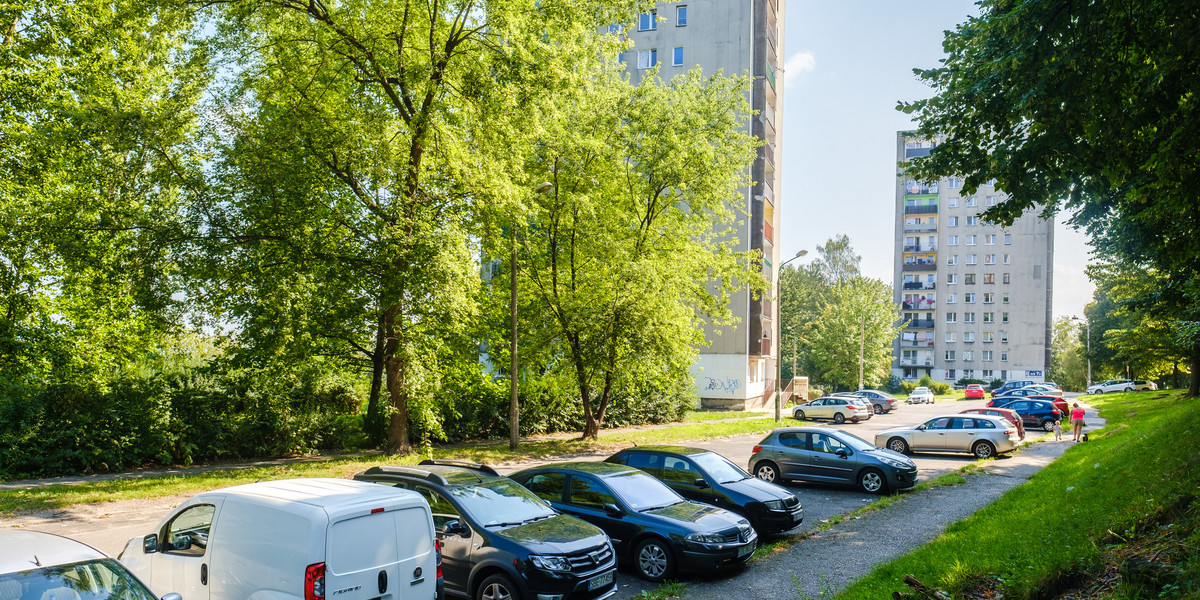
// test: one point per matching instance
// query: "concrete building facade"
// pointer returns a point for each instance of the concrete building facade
(977, 297)
(737, 369)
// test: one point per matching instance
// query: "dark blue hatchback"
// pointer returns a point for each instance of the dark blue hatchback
(1035, 413)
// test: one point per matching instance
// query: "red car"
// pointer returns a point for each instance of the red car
(974, 391)
(1057, 401)
(1004, 413)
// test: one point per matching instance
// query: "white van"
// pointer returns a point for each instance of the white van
(305, 539)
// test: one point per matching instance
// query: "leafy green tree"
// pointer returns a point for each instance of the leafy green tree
(1089, 107)
(1068, 363)
(856, 327)
(804, 290)
(633, 244)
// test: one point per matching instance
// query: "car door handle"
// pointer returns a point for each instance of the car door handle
(203, 573)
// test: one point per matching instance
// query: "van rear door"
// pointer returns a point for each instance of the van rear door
(382, 552)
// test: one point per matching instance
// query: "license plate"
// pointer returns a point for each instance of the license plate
(600, 580)
(744, 550)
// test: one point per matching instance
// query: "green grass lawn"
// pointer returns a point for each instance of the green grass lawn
(1062, 528)
(60, 495)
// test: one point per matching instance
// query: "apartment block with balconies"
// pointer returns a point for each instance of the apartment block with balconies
(976, 297)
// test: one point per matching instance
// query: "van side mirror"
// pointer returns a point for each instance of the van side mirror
(171, 596)
(613, 510)
(150, 543)
(456, 527)
(700, 483)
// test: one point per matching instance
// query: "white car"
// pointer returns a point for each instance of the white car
(1112, 385)
(1043, 389)
(837, 408)
(921, 395)
(42, 565)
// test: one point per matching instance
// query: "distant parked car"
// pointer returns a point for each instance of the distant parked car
(838, 409)
(1036, 413)
(974, 391)
(1057, 401)
(980, 435)
(708, 477)
(920, 395)
(43, 565)
(827, 455)
(1007, 414)
(881, 402)
(1011, 385)
(1044, 390)
(652, 527)
(1112, 385)
(1143, 384)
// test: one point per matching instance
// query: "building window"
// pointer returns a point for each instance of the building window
(989, 259)
(1003, 317)
(991, 200)
(952, 240)
(968, 336)
(989, 278)
(989, 317)
(968, 318)
(647, 58)
(953, 183)
(952, 221)
(987, 337)
(648, 21)
(1003, 337)
(681, 16)
(952, 259)
(972, 221)
(970, 259)
(1004, 298)
(950, 336)
(985, 356)
(969, 279)
(1008, 238)
(987, 373)
(677, 56)
(949, 355)
(1003, 357)
(951, 317)
(969, 298)
(952, 202)
(969, 373)
(951, 278)
(1004, 278)
(990, 239)
(951, 298)
(972, 201)
(989, 298)
(971, 240)
(1006, 259)
(968, 355)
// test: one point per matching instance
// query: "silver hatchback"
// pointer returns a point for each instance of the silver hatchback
(981, 435)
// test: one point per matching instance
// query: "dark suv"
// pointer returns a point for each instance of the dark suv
(501, 541)
(708, 477)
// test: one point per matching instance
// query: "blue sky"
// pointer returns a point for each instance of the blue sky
(848, 63)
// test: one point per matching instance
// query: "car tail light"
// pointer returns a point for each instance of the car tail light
(314, 582)
(437, 544)
(756, 450)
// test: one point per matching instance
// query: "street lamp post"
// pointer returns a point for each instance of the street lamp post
(779, 338)
(514, 411)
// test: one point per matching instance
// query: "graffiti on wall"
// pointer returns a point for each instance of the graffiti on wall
(729, 385)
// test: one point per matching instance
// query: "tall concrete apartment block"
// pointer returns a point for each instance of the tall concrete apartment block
(977, 297)
(738, 37)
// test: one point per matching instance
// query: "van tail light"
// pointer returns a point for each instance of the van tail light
(437, 544)
(756, 450)
(314, 582)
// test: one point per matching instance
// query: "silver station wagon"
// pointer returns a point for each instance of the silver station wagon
(981, 435)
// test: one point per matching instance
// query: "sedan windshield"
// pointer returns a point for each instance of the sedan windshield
(855, 442)
(501, 502)
(640, 491)
(97, 579)
(718, 467)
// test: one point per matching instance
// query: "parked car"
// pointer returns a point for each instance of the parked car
(920, 395)
(39, 565)
(980, 435)
(499, 540)
(1112, 385)
(1005, 413)
(292, 539)
(1057, 401)
(1036, 413)
(881, 402)
(1011, 385)
(1043, 389)
(708, 477)
(974, 391)
(839, 409)
(652, 528)
(1143, 384)
(827, 455)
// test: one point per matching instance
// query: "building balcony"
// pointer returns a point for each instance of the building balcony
(768, 231)
(921, 228)
(912, 188)
(919, 305)
(920, 209)
(920, 247)
(916, 343)
(920, 324)
(919, 285)
(916, 362)
(926, 266)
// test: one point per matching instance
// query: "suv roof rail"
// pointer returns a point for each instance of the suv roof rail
(461, 463)
(410, 471)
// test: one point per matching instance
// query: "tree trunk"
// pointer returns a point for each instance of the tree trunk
(374, 425)
(1194, 376)
(397, 431)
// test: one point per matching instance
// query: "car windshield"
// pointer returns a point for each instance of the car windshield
(641, 491)
(718, 467)
(103, 579)
(855, 442)
(501, 502)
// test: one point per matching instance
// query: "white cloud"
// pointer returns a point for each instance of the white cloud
(801, 62)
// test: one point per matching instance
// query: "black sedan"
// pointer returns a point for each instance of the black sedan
(708, 477)
(1035, 413)
(651, 527)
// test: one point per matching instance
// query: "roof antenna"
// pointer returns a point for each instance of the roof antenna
(37, 561)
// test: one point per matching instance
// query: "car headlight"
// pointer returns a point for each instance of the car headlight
(705, 538)
(773, 504)
(551, 563)
(891, 462)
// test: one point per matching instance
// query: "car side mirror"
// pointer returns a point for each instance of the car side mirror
(150, 543)
(921, 427)
(456, 527)
(700, 483)
(613, 510)
(841, 452)
(171, 596)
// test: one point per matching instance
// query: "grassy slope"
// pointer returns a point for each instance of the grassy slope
(1143, 462)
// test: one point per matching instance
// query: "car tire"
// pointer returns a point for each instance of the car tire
(652, 560)
(497, 586)
(798, 415)
(877, 408)
(839, 418)
(767, 471)
(872, 481)
(897, 444)
(1128, 389)
(983, 450)
(1048, 425)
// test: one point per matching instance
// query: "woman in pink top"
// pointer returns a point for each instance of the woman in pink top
(1077, 420)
